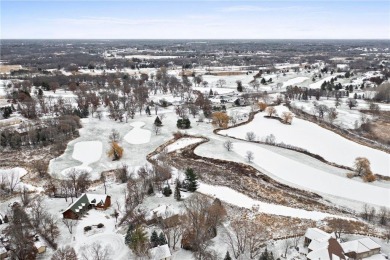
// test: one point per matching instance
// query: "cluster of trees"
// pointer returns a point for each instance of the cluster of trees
(76, 183)
(49, 131)
(247, 238)
(23, 229)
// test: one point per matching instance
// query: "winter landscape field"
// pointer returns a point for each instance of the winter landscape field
(207, 130)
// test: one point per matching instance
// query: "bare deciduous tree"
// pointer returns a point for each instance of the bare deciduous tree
(96, 251)
(228, 145)
(70, 224)
(250, 136)
(249, 156)
(65, 253)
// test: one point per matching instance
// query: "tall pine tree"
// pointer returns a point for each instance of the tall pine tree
(227, 256)
(191, 180)
(154, 239)
(161, 239)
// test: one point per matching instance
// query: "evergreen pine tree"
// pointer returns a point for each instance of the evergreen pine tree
(161, 239)
(157, 121)
(191, 180)
(154, 239)
(177, 194)
(167, 191)
(147, 110)
(129, 234)
(227, 256)
(138, 239)
(150, 189)
(5, 219)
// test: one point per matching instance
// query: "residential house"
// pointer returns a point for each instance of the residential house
(329, 250)
(323, 246)
(160, 253)
(86, 202)
(317, 235)
(361, 248)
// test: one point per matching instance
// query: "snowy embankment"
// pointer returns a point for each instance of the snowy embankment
(238, 199)
(315, 139)
(313, 179)
(182, 142)
(137, 135)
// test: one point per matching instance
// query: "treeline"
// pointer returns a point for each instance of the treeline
(42, 133)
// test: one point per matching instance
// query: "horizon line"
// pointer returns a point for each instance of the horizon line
(208, 39)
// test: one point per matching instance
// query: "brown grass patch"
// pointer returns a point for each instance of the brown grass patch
(9, 68)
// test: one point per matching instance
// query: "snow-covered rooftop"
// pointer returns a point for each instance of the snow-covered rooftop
(160, 252)
(359, 246)
(317, 235)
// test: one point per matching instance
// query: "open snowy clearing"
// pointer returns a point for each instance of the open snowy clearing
(315, 139)
(182, 142)
(236, 198)
(294, 81)
(137, 135)
(105, 236)
(313, 179)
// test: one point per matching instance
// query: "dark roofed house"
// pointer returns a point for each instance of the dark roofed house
(86, 202)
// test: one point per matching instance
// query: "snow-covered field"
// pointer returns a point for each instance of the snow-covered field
(137, 135)
(294, 81)
(313, 179)
(238, 199)
(315, 139)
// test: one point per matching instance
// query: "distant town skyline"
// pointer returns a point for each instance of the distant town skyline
(90, 19)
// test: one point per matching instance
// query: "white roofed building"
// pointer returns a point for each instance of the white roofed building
(160, 253)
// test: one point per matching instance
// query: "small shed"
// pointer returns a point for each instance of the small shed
(160, 253)
(41, 247)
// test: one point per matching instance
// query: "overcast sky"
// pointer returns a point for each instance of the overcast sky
(90, 19)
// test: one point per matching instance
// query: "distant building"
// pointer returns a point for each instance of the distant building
(86, 202)
(160, 253)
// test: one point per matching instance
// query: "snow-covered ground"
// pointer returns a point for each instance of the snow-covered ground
(238, 199)
(181, 143)
(87, 152)
(319, 83)
(294, 81)
(313, 179)
(137, 135)
(315, 139)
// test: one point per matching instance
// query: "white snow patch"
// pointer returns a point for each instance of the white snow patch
(236, 198)
(87, 152)
(182, 142)
(137, 135)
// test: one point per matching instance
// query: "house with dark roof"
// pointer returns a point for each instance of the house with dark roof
(86, 202)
